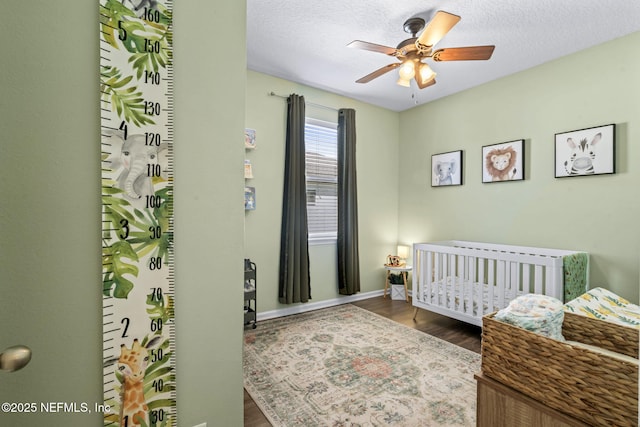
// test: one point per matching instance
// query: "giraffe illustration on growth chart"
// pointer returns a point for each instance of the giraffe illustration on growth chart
(132, 365)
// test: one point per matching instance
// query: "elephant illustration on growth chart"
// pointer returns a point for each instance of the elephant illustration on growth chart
(138, 162)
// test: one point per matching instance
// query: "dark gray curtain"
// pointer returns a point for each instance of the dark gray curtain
(294, 284)
(348, 257)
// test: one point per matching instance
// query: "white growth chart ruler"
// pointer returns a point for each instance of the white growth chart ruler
(136, 112)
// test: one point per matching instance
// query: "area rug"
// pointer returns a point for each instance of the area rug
(346, 366)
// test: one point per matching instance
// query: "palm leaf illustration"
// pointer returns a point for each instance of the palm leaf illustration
(126, 99)
(147, 38)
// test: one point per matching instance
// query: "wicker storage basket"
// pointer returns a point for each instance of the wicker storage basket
(587, 385)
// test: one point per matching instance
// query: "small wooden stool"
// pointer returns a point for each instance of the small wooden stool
(404, 271)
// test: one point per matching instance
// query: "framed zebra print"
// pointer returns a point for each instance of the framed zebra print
(585, 152)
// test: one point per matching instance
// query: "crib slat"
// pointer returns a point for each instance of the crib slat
(465, 286)
(539, 275)
(457, 304)
(515, 280)
(491, 280)
(481, 286)
(526, 277)
(437, 273)
(434, 272)
(471, 285)
(419, 279)
(451, 283)
(462, 267)
(442, 284)
(508, 285)
(501, 265)
(417, 274)
(554, 282)
(467, 291)
(427, 277)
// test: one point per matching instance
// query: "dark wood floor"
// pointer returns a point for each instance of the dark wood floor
(459, 333)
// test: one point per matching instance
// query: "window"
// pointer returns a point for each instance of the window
(321, 141)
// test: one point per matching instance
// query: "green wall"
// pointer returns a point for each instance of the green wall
(597, 214)
(377, 162)
(209, 210)
(50, 263)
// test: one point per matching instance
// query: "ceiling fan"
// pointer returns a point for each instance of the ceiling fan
(412, 51)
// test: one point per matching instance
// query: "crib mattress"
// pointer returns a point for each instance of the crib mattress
(447, 291)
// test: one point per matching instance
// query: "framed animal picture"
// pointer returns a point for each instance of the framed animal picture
(503, 162)
(446, 169)
(585, 152)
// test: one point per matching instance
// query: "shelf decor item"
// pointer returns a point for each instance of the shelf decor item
(249, 138)
(585, 152)
(394, 261)
(446, 169)
(249, 198)
(248, 170)
(503, 162)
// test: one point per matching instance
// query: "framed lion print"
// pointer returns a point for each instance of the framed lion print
(503, 162)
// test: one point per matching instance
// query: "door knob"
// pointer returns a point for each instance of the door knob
(14, 358)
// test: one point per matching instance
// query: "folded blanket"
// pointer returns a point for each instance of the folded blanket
(536, 313)
(600, 303)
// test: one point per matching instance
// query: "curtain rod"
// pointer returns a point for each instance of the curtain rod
(307, 103)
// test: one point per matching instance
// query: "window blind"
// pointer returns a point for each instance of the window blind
(321, 149)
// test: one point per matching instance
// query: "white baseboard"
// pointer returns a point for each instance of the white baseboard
(310, 306)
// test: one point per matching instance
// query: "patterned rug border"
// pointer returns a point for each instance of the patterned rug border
(280, 322)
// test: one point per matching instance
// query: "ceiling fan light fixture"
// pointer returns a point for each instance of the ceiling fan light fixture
(404, 82)
(407, 70)
(425, 73)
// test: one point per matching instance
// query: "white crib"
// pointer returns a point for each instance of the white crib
(466, 280)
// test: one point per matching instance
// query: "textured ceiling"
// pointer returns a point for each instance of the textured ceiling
(305, 41)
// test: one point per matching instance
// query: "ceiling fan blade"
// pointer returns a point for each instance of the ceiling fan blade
(378, 73)
(427, 84)
(471, 53)
(436, 29)
(359, 44)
